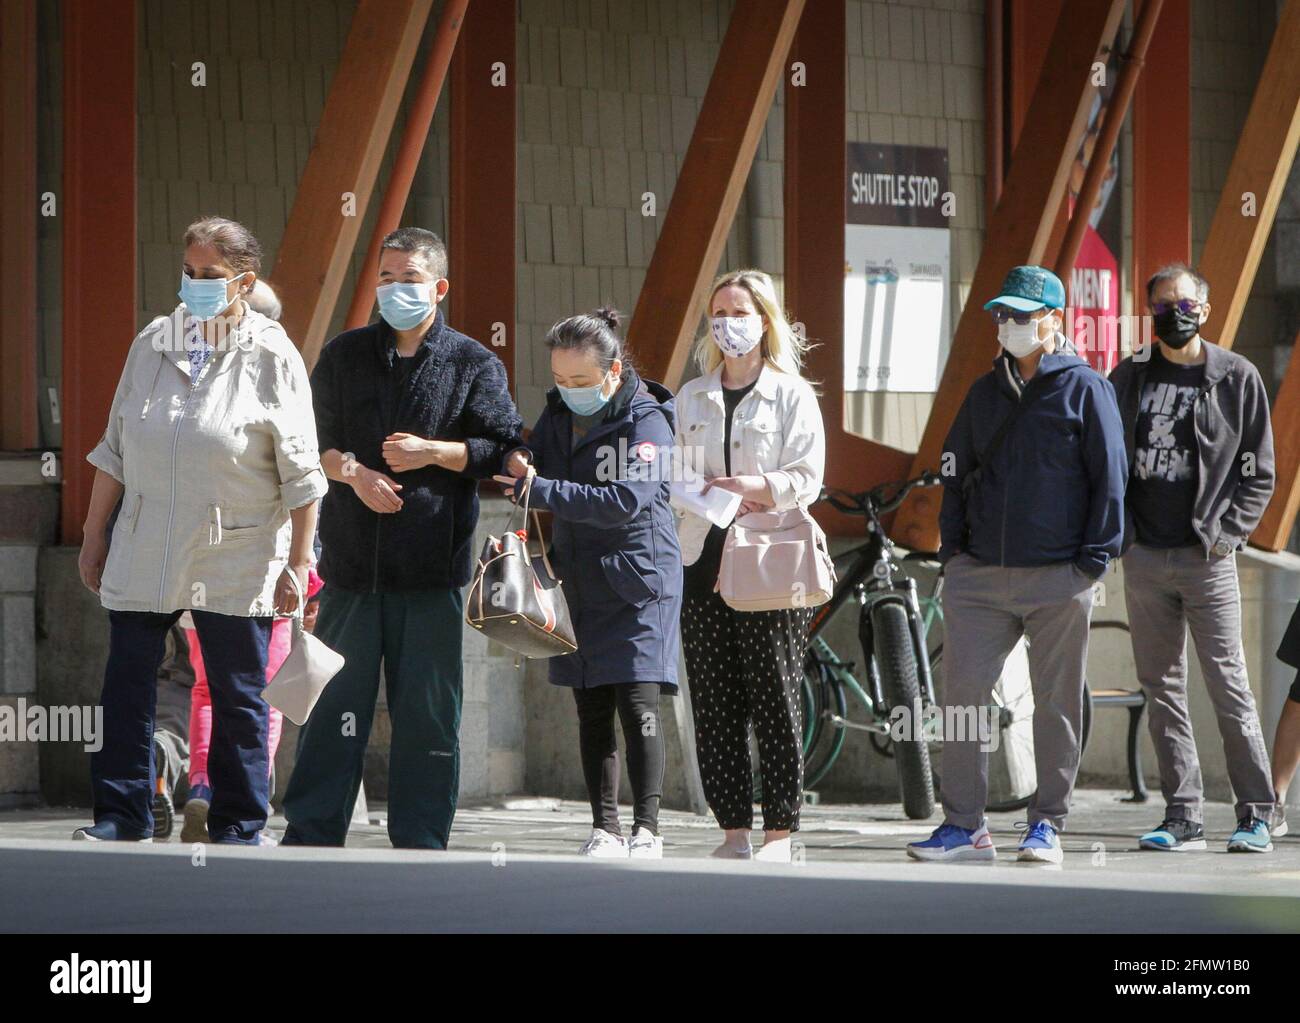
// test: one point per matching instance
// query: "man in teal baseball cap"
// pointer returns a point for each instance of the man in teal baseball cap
(1033, 472)
(1029, 312)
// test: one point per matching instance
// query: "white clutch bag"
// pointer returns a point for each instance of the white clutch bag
(305, 672)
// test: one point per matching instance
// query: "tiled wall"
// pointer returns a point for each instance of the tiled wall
(608, 96)
(1230, 40)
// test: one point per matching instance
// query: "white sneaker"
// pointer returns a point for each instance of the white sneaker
(604, 846)
(775, 851)
(645, 846)
(727, 851)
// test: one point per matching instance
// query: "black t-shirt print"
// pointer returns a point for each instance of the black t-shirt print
(1162, 492)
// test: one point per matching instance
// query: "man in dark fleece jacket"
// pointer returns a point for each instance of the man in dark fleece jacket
(1033, 512)
(410, 414)
(1201, 448)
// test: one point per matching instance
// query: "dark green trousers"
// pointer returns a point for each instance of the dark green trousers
(417, 637)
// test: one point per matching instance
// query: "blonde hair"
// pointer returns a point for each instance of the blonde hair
(783, 349)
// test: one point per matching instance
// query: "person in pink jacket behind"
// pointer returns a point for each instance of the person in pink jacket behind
(195, 828)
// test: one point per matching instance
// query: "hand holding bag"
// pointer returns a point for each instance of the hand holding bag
(514, 603)
(775, 560)
(305, 672)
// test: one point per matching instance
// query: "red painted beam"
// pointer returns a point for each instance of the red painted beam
(98, 208)
(481, 240)
(815, 143)
(19, 428)
(1162, 151)
(414, 134)
(347, 150)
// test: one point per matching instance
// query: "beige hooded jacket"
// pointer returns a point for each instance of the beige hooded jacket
(211, 469)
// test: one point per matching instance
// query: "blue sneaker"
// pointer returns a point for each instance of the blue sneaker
(107, 831)
(1040, 844)
(1174, 835)
(1251, 836)
(949, 842)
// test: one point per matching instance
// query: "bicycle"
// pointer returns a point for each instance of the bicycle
(900, 628)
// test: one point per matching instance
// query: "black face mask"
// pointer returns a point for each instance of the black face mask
(1176, 328)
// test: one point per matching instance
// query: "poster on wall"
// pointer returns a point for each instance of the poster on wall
(896, 284)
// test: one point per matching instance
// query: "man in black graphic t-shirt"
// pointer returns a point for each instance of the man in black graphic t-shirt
(1162, 490)
(1200, 451)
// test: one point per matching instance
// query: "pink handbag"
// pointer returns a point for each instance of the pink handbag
(775, 560)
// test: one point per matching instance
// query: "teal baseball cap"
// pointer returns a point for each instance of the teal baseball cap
(1027, 288)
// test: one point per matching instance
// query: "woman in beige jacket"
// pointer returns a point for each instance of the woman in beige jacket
(211, 451)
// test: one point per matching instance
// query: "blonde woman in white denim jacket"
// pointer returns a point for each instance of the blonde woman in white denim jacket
(211, 449)
(749, 424)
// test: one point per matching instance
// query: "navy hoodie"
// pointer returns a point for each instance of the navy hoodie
(614, 534)
(1054, 490)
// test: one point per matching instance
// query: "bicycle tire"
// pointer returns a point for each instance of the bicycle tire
(896, 661)
(818, 762)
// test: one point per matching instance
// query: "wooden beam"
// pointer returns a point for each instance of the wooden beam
(1162, 151)
(1256, 178)
(345, 157)
(709, 186)
(482, 171)
(19, 338)
(1018, 231)
(815, 157)
(97, 206)
(1274, 530)
(415, 132)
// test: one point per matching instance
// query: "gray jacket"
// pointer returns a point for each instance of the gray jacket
(1234, 444)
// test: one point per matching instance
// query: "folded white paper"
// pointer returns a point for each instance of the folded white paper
(717, 505)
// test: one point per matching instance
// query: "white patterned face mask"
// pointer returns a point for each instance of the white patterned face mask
(737, 335)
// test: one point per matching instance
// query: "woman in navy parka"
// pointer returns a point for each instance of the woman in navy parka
(601, 452)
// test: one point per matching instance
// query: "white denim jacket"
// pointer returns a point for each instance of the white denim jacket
(776, 432)
(211, 469)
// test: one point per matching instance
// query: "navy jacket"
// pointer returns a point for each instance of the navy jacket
(615, 543)
(457, 391)
(1054, 491)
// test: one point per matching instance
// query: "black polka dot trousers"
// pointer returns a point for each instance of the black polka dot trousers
(745, 670)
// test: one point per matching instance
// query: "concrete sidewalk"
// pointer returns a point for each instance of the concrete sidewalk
(512, 868)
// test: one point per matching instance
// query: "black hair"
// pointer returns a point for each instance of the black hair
(1171, 272)
(425, 244)
(593, 332)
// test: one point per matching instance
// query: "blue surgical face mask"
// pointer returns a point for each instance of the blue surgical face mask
(404, 306)
(585, 401)
(205, 298)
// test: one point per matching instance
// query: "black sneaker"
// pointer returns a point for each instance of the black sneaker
(164, 816)
(1174, 835)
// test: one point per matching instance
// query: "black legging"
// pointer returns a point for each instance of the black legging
(637, 704)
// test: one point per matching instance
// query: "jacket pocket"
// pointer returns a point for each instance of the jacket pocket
(626, 579)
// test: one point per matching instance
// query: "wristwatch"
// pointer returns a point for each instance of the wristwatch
(1222, 548)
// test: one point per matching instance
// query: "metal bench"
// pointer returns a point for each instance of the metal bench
(1135, 701)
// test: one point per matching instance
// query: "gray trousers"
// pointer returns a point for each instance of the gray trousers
(1167, 592)
(986, 609)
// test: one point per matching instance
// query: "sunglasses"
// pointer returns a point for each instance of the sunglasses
(1001, 314)
(1183, 305)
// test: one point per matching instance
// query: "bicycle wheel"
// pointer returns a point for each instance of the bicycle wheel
(896, 661)
(828, 739)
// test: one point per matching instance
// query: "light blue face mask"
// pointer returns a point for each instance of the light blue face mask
(205, 298)
(585, 401)
(404, 306)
